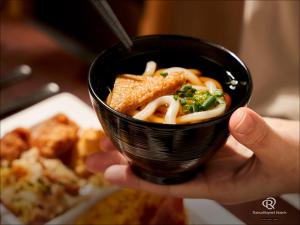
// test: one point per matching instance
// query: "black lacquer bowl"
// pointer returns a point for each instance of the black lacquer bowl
(161, 153)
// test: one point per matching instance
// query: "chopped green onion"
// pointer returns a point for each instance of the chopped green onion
(220, 100)
(186, 108)
(197, 107)
(194, 100)
(200, 97)
(164, 74)
(183, 101)
(218, 93)
(189, 94)
(185, 88)
(209, 102)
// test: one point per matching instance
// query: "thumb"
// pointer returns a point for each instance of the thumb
(250, 129)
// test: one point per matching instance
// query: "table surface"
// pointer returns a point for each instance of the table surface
(24, 42)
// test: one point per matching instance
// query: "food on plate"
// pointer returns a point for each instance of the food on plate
(37, 189)
(135, 207)
(172, 96)
(88, 142)
(14, 143)
(55, 136)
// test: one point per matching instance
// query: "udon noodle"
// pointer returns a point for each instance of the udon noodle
(173, 95)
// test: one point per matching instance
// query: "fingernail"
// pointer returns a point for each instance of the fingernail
(113, 174)
(243, 121)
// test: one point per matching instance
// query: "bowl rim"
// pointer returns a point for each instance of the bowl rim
(130, 119)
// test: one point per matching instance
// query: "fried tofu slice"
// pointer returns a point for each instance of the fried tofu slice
(55, 136)
(131, 91)
(14, 143)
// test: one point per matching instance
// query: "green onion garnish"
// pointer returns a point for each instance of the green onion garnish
(209, 102)
(185, 88)
(194, 100)
(164, 74)
(183, 101)
(218, 93)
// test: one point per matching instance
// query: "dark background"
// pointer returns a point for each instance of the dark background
(80, 21)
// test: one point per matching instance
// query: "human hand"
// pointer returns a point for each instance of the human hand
(260, 159)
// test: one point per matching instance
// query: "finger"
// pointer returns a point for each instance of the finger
(230, 155)
(106, 144)
(100, 161)
(248, 128)
(123, 176)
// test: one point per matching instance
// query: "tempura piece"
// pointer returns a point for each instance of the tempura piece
(55, 136)
(131, 91)
(14, 143)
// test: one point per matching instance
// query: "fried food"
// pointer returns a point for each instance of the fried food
(55, 136)
(88, 142)
(171, 211)
(14, 143)
(131, 91)
(37, 189)
(134, 207)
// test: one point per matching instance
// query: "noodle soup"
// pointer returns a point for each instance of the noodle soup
(173, 95)
(167, 102)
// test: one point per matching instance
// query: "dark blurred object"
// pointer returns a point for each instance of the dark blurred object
(79, 20)
(45, 35)
(15, 9)
(28, 100)
(112, 21)
(24, 41)
(18, 74)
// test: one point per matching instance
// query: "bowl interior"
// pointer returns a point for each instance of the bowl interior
(171, 51)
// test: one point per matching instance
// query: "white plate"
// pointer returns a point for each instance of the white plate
(199, 211)
(84, 116)
(65, 103)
